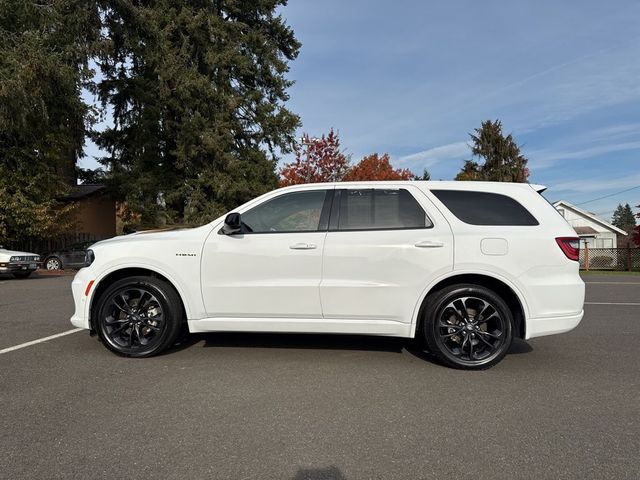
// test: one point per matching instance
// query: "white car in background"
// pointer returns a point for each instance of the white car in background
(467, 266)
(20, 264)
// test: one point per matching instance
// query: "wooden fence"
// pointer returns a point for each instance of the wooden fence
(43, 246)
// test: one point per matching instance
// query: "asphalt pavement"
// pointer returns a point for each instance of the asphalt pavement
(249, 406)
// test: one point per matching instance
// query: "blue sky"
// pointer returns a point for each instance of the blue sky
(412, 78)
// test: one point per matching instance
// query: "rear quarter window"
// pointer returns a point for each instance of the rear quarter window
(485, 208)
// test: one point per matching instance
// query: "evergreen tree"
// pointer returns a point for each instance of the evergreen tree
(503, 161)
(425, 175)
(471, 171)
(623, 218)
(44, 48)
(197, 89)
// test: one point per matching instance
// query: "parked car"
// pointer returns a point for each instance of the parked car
(73, 256)
(467, 266)
(20, 264)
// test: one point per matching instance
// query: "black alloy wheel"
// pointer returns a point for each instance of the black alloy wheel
(139, 316)
(468, 326)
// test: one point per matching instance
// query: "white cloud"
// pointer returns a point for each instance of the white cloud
(616, 131)
(596, 185)
(546, 158)
(430, 157)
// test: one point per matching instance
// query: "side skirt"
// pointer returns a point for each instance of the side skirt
(302, 325)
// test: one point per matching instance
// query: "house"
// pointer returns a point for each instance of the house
(592, 230)
(95, 213)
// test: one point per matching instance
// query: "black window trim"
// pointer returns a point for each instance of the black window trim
(334, 219)
(324, 214)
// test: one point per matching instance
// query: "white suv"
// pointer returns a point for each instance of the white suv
(466, 266)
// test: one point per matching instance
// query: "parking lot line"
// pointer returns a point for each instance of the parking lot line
(39, 340)
(612, 283)
(613, 303)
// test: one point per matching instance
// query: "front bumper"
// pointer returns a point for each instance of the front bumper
(80, 318)
(12, 267)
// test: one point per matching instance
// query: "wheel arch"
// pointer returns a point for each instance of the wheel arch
(500, 286)
(109, 278)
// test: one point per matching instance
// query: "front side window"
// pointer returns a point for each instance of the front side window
(380, 209)
(291, 212)
(485, 208)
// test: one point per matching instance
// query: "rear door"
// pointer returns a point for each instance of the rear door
(384, 245)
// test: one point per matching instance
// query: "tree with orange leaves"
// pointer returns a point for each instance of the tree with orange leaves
(375, 167)
(317, 160)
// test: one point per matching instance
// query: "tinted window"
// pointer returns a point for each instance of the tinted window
(371, 209)
(291, 212)
(484, 208)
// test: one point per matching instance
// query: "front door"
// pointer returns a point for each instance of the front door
(272, 268)
(384, 245)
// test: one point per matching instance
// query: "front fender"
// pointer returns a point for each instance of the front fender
(192, 302)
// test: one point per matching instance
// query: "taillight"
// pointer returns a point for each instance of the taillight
(570, 246)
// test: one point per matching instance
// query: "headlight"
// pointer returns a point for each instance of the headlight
(89, 257)
(36, 258)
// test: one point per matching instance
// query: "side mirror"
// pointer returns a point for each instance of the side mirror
(232, 224)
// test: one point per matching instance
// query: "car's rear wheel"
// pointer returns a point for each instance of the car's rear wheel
(139, 316)
(468, 326)
(53, 263)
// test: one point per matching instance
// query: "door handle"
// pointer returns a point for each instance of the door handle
(429, 244)
(303, 246)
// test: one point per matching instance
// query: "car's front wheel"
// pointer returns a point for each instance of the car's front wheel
(468, 326)
(139, 316)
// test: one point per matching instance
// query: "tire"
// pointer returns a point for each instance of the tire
(22, 274)
(139, 316)
(53, 263)
(468, 326)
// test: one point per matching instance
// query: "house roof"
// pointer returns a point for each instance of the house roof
(585, 230)
(82, 191)
(589, 215)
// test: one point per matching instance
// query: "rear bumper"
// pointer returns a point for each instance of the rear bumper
(538, 327)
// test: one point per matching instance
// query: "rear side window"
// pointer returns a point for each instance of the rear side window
(484, 208)
(379, 209)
